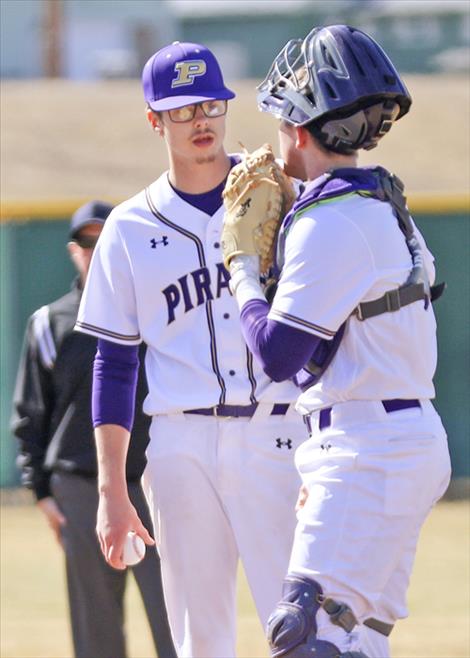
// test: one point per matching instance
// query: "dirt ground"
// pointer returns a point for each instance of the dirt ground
(33, 618)
(64, 140)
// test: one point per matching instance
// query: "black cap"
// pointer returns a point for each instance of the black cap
(93, 212)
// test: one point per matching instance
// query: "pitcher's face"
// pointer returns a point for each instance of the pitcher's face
(199, 138)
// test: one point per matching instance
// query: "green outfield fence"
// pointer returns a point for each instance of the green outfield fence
(35, 269)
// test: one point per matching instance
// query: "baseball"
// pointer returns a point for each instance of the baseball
(133, 550)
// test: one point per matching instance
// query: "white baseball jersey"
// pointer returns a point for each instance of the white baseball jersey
(157, 276)
(356, 253)
(219, 489)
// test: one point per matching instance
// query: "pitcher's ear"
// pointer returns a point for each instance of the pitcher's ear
(155, 121)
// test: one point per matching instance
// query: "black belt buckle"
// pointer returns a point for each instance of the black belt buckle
(221, 411)
(216, 411)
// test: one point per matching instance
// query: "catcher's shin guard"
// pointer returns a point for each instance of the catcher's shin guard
(292, 628)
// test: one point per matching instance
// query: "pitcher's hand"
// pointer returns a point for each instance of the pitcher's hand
(116, 517)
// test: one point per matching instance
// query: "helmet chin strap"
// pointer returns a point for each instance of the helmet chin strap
(363, 129)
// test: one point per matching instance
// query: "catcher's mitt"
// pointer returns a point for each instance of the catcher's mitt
(257, 195)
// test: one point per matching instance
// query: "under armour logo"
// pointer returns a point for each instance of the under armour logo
(163, 241)
(243, 208)
(280, 443)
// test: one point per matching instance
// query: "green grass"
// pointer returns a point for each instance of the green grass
(34, 620)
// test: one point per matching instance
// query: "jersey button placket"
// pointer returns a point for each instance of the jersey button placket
(213, 238)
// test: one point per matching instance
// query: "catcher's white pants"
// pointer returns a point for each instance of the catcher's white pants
(220, 490)
(372, 478)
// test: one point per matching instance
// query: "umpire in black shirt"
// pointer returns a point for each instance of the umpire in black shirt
(52, 421)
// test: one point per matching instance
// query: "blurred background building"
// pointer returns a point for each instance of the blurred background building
(95, 39)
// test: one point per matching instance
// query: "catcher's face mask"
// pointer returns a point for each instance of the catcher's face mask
(335, 72)
(283, 91)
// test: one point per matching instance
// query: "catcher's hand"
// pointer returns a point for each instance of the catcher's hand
(257, 195)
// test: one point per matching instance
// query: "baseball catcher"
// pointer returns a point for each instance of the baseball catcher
(353, 298)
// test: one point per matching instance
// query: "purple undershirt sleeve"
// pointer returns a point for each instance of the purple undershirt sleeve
(115, 372)
(281, 350)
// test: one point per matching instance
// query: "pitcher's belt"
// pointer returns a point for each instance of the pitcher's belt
(237, 411)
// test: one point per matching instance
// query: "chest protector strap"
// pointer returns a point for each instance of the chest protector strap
(416, 287)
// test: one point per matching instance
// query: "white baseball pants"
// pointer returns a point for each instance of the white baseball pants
(220, 490)
(372, 478)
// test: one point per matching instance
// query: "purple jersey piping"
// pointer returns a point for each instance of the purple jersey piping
(105, 332)
(303, 323)
(208, 304)
(251, 375)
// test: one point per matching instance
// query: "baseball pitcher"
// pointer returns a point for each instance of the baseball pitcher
(220, 480)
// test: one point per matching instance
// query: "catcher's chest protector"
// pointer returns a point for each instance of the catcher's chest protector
(378, 183)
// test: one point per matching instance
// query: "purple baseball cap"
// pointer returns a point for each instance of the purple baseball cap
(183, 74)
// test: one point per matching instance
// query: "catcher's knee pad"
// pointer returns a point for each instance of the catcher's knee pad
(292, 627)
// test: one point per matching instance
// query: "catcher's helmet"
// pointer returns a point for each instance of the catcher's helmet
(340, 82)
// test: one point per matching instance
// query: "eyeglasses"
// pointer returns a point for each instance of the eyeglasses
(86, 241)
(211, 109)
